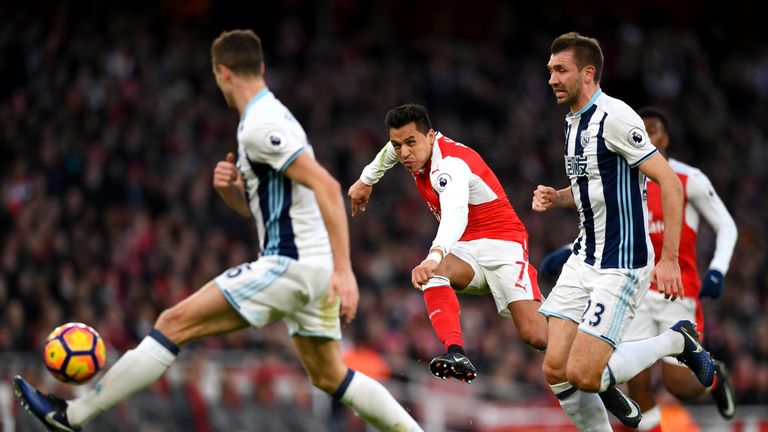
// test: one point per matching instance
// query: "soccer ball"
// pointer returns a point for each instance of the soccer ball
(74, 353)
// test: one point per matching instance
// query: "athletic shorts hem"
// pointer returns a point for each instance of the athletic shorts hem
(599, 336)
(548, 313)
(316, 335)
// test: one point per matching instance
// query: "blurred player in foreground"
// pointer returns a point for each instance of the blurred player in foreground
(303, 275)
(607, 157)
(480, 247)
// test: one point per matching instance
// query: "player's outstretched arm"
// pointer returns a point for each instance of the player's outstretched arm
(385, 159)
(708, 204)
(360, 192)
(666, 274)
(308, 172)
(546, 197)
(229, 184)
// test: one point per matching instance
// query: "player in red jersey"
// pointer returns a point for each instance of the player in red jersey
(480, 246)
(655, 314)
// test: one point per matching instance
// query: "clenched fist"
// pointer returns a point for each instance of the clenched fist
(225, 173)
(544, 198)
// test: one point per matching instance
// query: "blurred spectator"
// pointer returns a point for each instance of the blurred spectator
(110, 124)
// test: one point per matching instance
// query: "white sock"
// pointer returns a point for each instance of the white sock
(651, 419)
(586, 410)
(631, 358)
(374, 403)
(135, 370)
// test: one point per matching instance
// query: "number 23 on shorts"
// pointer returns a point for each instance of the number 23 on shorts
(595, 315)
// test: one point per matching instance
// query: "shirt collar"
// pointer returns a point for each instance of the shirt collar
(263, 92)
(589, 104)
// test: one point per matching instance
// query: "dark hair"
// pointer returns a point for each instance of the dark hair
(239, 50)
(652, 112)
(586, 51)
(408, 113)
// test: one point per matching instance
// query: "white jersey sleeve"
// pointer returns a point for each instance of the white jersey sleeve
(451, 181)
(708, 204)
(625, 134)
(384, 160)
(271, 144)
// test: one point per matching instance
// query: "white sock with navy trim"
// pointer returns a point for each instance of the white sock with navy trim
(134, 371)
(368, 398)
(586, 410)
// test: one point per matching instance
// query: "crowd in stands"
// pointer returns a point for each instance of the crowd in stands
(111, 124)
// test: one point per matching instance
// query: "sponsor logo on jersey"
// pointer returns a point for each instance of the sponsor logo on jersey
(576, 166)
(636, 137)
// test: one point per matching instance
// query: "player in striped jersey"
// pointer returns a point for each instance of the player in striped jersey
(303, 275)
(607, 157)
(481, 247)
(655, 314)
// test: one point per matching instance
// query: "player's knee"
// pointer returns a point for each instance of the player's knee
(583, 380)
(168, 323)
(553, 374)
(324, 381)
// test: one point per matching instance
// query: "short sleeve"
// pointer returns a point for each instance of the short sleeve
(626, 135)
(271, 144)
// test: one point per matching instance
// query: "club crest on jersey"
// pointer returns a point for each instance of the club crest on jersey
(576, 166)
(585, 137)
(636, 137)
(442, 181)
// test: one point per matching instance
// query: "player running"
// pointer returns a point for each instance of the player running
(481, 246)
(303, 275)
(607, 158)
(655, 313)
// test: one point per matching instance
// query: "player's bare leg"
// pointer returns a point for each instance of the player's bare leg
(531, 324)
(204, 313)
(684, 385)
(322, 360)
(679, 380)
(443, 308)
(586, 362)
(585, 410)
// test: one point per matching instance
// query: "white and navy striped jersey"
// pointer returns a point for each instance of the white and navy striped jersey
(605, 142)
(288, 219)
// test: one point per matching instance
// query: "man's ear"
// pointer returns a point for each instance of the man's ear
(589, 73)
(223, 71)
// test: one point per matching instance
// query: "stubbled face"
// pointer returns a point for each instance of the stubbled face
(413, 148)
(223, 76)
(565, 77)
(657, 133)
